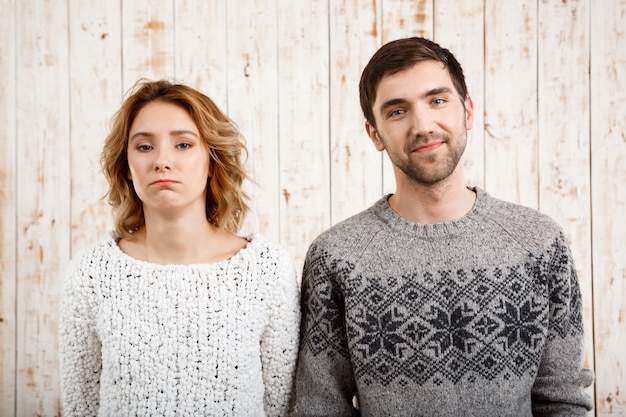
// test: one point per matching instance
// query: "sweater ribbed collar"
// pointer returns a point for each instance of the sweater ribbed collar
(460, 226)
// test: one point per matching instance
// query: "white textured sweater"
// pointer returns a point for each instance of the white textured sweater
(140, 339)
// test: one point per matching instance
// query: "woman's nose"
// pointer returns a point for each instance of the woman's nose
(162, 161)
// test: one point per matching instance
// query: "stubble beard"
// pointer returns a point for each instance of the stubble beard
(428, 170)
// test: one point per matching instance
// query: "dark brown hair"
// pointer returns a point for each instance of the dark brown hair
(399, 55)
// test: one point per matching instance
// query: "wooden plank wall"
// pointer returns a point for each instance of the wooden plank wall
(548, 78)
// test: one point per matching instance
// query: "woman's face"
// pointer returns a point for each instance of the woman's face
(168, 160)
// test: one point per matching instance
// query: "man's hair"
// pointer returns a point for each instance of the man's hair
(226, 205)
(399, 55)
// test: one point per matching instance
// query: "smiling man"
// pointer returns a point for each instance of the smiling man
(439, 300)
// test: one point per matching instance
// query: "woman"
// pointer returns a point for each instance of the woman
(173, 313)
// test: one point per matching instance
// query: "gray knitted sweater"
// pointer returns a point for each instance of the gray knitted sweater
(476, 317)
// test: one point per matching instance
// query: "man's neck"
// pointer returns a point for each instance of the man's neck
(438, 203)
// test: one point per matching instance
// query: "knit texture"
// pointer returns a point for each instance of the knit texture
(140, 339)
(476, 317)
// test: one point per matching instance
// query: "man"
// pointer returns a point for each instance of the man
(439, 300)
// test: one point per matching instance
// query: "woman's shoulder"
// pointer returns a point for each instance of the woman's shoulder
(99, 249)
(260, 246)
(270, 255)
(275, 266)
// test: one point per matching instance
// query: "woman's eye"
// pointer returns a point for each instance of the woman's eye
(144, 147)
(184, 145)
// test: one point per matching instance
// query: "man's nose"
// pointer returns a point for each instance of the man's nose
(423, 123)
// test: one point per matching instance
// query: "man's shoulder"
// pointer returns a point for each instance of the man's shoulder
(518, 213)
(351, 232)
(522, 222)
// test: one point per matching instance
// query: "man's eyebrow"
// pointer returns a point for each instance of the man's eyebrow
(390, 103)
(437, 91)
(433, 92)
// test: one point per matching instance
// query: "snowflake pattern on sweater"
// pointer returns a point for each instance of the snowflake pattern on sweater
(496, 323)
(481, 316)
(208, 339)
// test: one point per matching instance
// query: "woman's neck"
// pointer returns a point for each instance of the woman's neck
(181, 241)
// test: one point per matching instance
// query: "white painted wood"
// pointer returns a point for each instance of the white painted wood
(43, 199)
(200, 47)
(355, 165)
(8, 212)
(148, 40)
(304, 123)
(95, 95)
(253, 77)
(401, 19)
(511, 171)
(287, 73)
(459, 28)
(608, 200)
(564, 136)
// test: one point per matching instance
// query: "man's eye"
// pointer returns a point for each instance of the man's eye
(397, 112)
(438, 101)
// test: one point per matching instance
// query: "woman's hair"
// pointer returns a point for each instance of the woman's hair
(399, 55)
(226, 202)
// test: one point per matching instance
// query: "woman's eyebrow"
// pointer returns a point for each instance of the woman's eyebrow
(183, 132)
(178, 132)
(138, 135)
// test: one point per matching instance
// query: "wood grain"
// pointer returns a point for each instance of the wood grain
(252, 94)
(511, 171)
(608, 202)
(356, 166)
(304, 123)
(148, 40)
(564, 137)
(43, 199)
(547, 79)
(8, 212)
(95, 95)
(201, 47)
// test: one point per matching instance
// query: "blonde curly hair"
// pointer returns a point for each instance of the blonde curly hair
(226, 202)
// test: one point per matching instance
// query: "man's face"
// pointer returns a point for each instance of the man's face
(421, 122)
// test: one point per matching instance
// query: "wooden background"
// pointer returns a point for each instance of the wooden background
(548, 78)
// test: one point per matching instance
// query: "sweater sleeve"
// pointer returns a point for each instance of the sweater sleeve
(325, 384)
(79, 346)
(559, 387)
(279, 343)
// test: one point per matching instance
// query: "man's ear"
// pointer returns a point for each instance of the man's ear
(373, 134)
(469, 113)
